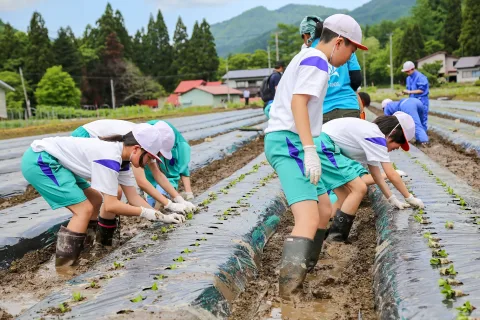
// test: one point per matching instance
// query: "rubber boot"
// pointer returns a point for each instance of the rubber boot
(105, 230)
(69, 245)
(293, 268)
(341, 225)
(316, 249)
(91, 234)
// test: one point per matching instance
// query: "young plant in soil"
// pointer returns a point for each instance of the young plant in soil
(63, 307)
(450, 293)
(154, 286)
(187, 251)
(189, 216)
(466, 309)
(154, 237)
(439, 261)
(433, 244)
(138, 298)
(420, 219)
(440, 253)
(140, 250)
(450, 271)
(449, 224)
(93, 285)
(77, 296)
(172, 267)
(164, 230)
(449, 281)
(159, 277)
(118, 265)
(450, 191)
(179, 259)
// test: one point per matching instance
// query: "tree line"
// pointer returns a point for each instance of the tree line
(71, 71)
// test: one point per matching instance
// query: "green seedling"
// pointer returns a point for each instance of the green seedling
(179, 259)
(418, 218)
(196, 244)
(449, 224)
(226, 212)
(450, 271)
(203, 239)
(159, 277)
(222, 218)
(118, 265)
(466, 308)
(171, 227)
(164, 230)
(154, 237)
(427, 235)
(93, 284)
(433, 244)
(187, 251)
(421, 211)
(173, 266)
(449, 281)
(205, 202)
(138, 298)
(462, 202)
(239, 201)
(139, 250)
(440, 253)
(154, 286)
(450, 191)
(77, 296)
(189, 216)
(439, 261)
(63, 307)
(450, 293)
(224, 191)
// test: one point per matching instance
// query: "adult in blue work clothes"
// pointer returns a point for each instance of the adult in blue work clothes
(273, 82)
(412, 107)
(418, 88)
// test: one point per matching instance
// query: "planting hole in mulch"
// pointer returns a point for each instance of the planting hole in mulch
(340, 287)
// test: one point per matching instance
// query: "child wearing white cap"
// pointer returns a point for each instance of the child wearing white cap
(295, 119)
(58, 167)
(345, 142)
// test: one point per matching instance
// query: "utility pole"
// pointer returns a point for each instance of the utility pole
(364, 71)
(391, 62)
(269, 61)
(113, 93)
(27, 102)
(276, 45)
(228, 84)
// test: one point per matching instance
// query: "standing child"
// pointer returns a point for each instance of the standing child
(295, 119)
(57, 168)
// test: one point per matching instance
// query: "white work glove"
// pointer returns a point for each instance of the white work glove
(176, 207)
(154, 215)
(415, 202)
(402, 173)
(189, 195)
(189, 207)
(312, 164)
(395, 202)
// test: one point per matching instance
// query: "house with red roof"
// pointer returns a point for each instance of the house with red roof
(202, 93)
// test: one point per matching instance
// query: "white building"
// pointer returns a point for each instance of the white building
(3, 99)
(468, 69)
(448, 61)
(247, 79)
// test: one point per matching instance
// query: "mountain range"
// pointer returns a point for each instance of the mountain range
(252, 29)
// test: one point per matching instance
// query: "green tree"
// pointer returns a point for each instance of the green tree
(452, 25)
(258, 60)
(138, 86)
(411, 46)
(289, 42)
(66, 53)
(13, 44)
(57, 88)
(15, 99)
(239, 61)
(430, 70)
(190, 68)
(139, 56)
(122, 34)
(180, 46)
(470, 37)
(210, 63)
(39, 54)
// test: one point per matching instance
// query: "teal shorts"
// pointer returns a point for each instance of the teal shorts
(57, 185)
(284, 152)
(337, 169)
(266, 110)
(80, 132)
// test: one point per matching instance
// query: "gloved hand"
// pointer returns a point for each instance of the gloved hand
(189, 207)
(395, 202)
(415, 202)
(154, 215)
(312, 164)
(176, 207)
(402, 173)
(189, 195)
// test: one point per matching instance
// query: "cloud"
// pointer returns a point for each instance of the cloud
(13, 5)
(169, 4)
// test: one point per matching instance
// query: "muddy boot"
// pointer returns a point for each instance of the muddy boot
(91, 234)
(69, 245)
(316, 249)
(293, 268)
(105, 230)
(341, 225)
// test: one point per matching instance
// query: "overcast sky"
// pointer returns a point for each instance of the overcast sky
(78, 13)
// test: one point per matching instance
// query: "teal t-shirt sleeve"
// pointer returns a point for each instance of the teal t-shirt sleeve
(352, 63)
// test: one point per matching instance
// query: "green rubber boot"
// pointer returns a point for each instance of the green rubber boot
(316, 249)
(341, 225)
(293, 268)
(69, 245)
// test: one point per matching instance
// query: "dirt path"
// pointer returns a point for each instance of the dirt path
(339, 288)
(33, 277)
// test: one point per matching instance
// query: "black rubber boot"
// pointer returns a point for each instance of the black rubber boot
(69, 245)
(293, 268)
(105, 230)
(91, 233)
(316, 249)
(341, 225)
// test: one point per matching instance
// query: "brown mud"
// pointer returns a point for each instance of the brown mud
(339, 288)
(28, 195)
(33, 277)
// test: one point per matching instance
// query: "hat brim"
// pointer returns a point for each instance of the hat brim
(405, 70)
(405, 146)
(358, 45)
(154, 156)
(166, 154)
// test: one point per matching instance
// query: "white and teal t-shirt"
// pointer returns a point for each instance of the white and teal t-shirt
(105, 128)
(307, 74)
(93, 159)
(358, 139)
(339, 94)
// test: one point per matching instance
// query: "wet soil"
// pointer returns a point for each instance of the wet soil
(33, 277)
(28, 195)
(339, 288)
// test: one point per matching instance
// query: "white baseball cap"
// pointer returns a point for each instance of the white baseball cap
(385, 102)
(407, 66)
(148, 138)
(347, 27)
(167, 138)
(408, 127)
